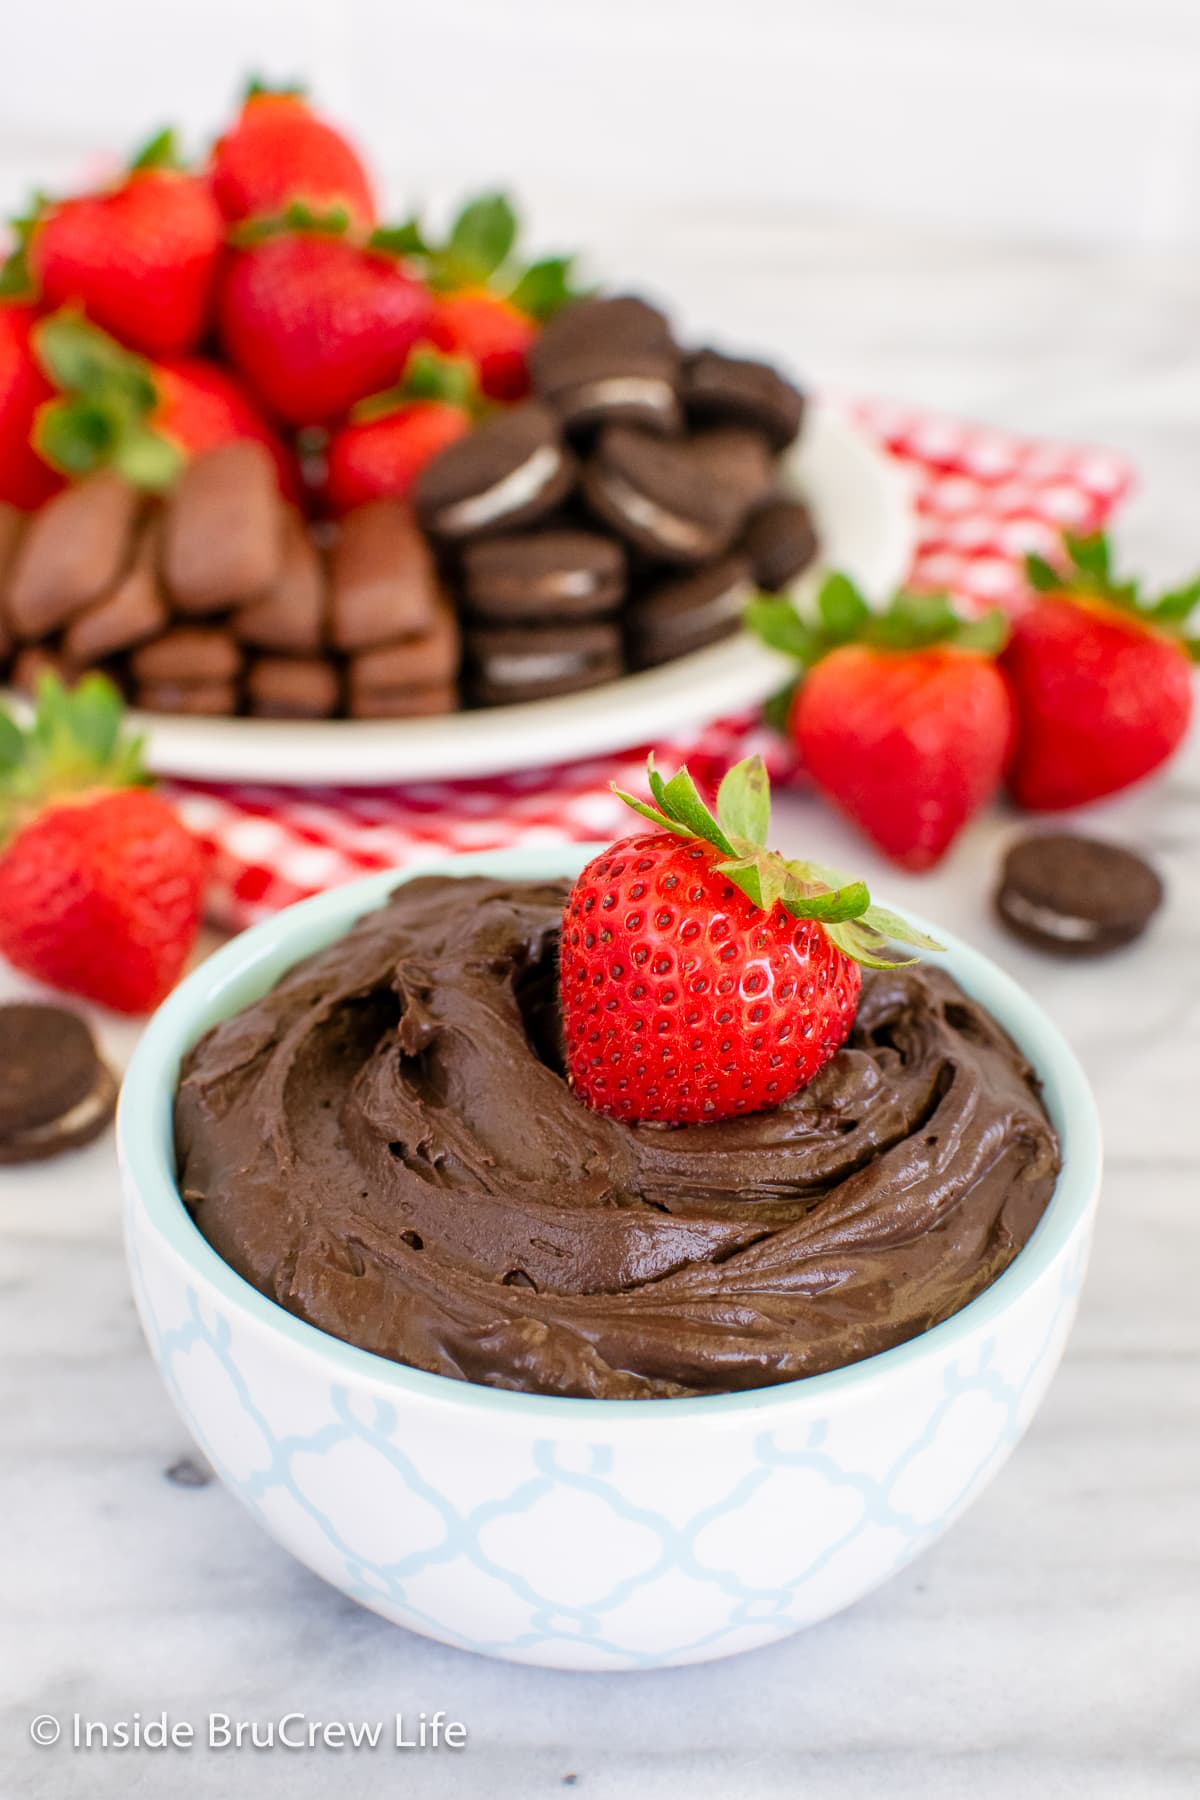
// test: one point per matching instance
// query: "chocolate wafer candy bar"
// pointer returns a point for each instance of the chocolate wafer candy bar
(223, 536)
(405, 703)
(72, 552)
(202, 699)
(134, 611)
(189, 653)
(34, 661)
(387, 681)
(11, 520)
(291, 615)
(292, 687)
(383, 583)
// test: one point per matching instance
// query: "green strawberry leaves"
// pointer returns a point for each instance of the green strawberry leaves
(744, 800)
(804, 889)
(399, 240)
(545, 287)
(258, 89)
(75, 742)
(842, 615)
(160, 152)
(428, 375)
(79, 357)
(296, 217)
(16, 278)
(483, 236)
(103, 419)
(480, 251)
(1086, 571)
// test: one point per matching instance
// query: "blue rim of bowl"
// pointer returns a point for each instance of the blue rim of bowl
(245, 968)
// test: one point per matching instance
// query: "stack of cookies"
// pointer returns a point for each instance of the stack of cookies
(620, 518)
(224, 599)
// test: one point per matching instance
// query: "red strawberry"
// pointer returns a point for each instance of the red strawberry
(25, 479)
(1102, 681)
(490, 332)
(100, 884)
(702, 976)
(391, 436)
(280, 151)
(140, 257)
(489, 307)
(384, 455)
(115, 409)
(317, 322)
(201, 405)
(902, 718)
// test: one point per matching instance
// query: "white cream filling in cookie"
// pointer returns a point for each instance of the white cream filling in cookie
(625, 390)
(517, 667)
(648, 516)
(507, 496)
(1064, 926)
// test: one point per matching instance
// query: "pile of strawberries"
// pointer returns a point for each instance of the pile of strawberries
(258, 297)
(911, 720)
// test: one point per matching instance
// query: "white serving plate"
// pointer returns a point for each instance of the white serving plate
(866, 524)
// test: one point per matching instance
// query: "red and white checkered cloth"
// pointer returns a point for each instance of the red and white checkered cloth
(983, 497)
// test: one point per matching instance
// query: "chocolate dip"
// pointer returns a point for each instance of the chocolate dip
(385, 1145)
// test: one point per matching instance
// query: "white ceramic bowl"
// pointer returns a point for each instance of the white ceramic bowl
(586, 1534)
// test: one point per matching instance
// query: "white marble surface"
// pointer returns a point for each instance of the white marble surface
(1050, 1645)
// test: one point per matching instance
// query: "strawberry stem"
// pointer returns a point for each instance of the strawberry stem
(806, 890)
(1086, 571)
(75, 744)
(104, 418)
(843, 616)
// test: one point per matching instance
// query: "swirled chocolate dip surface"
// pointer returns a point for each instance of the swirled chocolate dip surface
(384, 1145)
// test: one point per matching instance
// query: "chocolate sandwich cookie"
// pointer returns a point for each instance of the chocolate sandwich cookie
(512, 471)
(510, 665)
(781, 541)
(609, 361)
(223, 535)
(736, 390)
(134, 611)
(738, 460)
(55, 1092)
(544, 576)
(292, 687)
(73, 551)
(660, 497)
(214, 699)
(383, 581)
(291, 616)
(1074, 895)
(688, 612)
